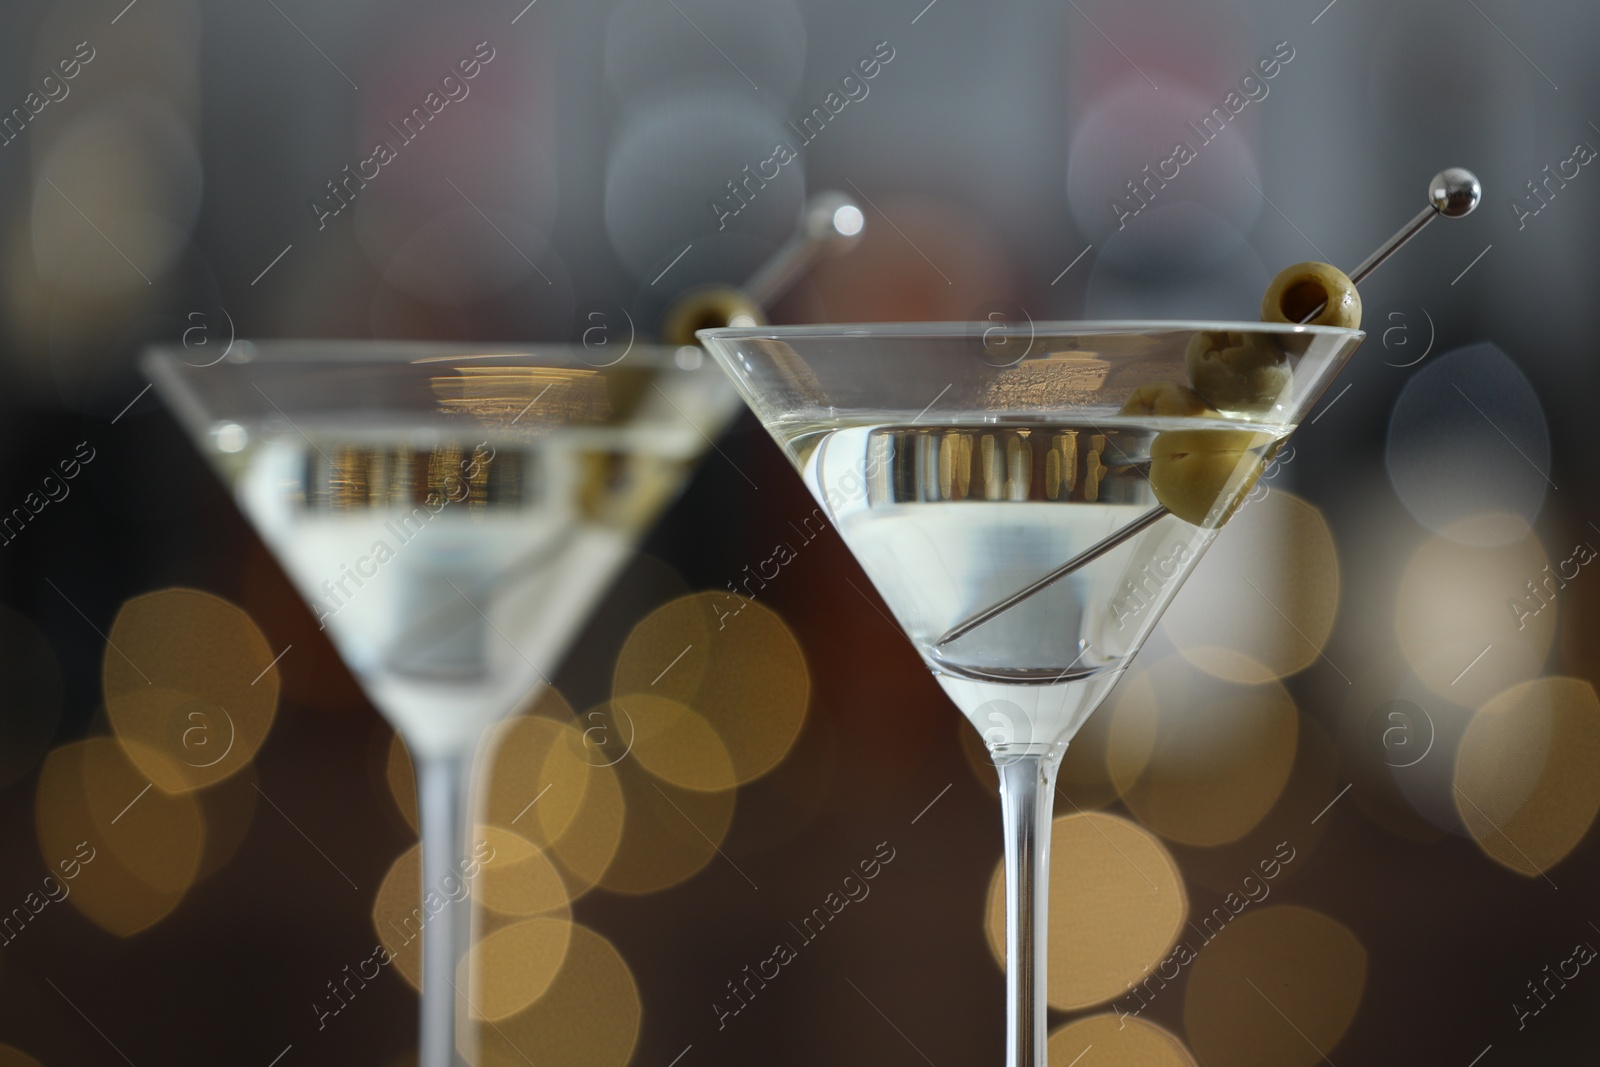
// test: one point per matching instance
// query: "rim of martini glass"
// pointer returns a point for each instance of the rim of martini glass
(945, 330)
(245, 351)
(180, 380)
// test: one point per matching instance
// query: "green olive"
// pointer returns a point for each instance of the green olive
(708, 308)
(1202, 476)
(1165, 398)
(1237, 371)
(1299, 290)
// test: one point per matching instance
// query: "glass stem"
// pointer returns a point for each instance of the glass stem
(1027, 791)
(442, 809)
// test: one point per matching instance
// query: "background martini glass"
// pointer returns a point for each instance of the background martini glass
(963, 464)
(452, 515)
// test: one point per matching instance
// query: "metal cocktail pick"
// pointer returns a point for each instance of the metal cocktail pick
(830, 225)
(1452, 193)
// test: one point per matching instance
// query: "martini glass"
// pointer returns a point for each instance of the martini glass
(1026, 533)
(452, 515)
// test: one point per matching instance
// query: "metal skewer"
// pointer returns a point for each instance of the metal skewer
(1099, 548)
(831, 224)
(1452, 193)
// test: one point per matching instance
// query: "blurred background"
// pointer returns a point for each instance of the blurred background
(1407, 742)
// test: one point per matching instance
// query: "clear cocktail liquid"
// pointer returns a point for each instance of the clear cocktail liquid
(950, 519)
(453, 574)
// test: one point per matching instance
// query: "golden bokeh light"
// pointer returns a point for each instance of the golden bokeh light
(519, 879)
(1525, 784)
(669, 835)
(1261, 603)
(539, 755)
(33, 695)
(500, 861)
(1456, 620)
(11, 1057)
(734, 662)
(588, 1017)
(145, 844)
(545, 781)
(398, 915)
(187, 678)
(1199, 760)
(1116, 906)
(1295, 821)
(1119, 1042)
(1132, 711)
(401, 775)
(512, 967)
(1279, 990)
(588, 845)
(676, 743)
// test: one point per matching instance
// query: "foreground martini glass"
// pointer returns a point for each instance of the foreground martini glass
(452, 515)
(1025, 531)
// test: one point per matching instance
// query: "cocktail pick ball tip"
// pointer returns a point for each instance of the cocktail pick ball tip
(1454, 192)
